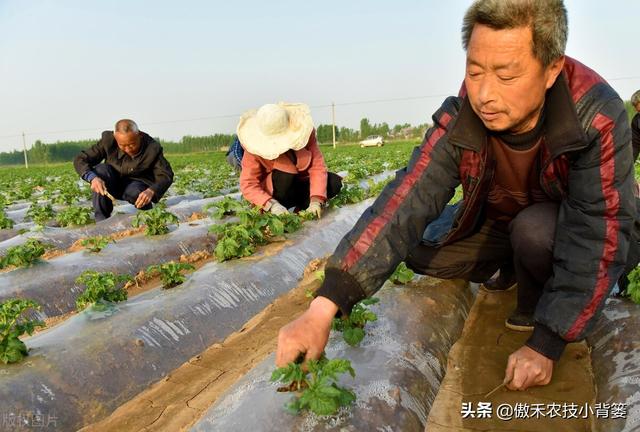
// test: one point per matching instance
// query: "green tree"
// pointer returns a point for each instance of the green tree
(324, 133)
(365, 128)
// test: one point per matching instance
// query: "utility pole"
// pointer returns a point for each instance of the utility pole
(24, 146)
(333, 115)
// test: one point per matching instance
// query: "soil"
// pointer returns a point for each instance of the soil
(181, 398)
(476, 365)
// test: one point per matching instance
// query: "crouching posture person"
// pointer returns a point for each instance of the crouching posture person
(282, 166)
(134, 169)
(542, 147)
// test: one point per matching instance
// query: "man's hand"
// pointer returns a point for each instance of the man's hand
(144, 198)
(308, 334)
(527, 368)
(315, 208)
(98, 186)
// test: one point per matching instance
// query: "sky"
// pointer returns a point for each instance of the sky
(71, 68)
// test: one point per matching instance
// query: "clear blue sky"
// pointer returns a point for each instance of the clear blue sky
(81, 65)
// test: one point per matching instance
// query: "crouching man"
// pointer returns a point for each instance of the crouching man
(127, 164)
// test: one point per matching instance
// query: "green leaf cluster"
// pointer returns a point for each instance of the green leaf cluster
(101, 287)
(254, 228)
(74, 216)
(97, 243)
(156, 220)
(13, 325)
(633, 289)
(23, 255)
(170, 272)
(317, 388)
(40, 214)
(402, 274)
(352, 327)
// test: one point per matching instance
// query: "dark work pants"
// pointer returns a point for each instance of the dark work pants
(121, 188)
(290, 191)
(524, 245)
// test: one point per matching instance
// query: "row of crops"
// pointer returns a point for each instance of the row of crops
(54, 196)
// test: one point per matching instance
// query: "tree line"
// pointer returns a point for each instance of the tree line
(65, 151)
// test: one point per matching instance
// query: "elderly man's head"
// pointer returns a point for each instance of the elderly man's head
(127, 136)
(635, 100)
(515, 52)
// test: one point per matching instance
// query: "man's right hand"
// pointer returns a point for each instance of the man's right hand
(98, 186)
(308, 334)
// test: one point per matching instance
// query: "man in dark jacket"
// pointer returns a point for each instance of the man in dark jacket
(542, 148)
(134, 169)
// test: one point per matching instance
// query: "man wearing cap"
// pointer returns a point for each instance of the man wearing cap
(134, 169)
(541, 146)
(282, 166)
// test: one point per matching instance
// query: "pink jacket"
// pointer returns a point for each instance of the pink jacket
(256, 183)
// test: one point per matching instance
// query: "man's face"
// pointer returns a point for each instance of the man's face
(128, 142)
(505, 83)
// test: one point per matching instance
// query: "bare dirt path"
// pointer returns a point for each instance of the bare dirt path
(476, 365)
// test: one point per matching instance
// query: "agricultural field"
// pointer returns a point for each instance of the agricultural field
(185, 301)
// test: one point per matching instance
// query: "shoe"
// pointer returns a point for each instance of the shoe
(519, 321)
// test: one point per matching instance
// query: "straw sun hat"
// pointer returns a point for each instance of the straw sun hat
(275, 128)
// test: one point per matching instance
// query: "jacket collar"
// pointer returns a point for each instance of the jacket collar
(563, 131)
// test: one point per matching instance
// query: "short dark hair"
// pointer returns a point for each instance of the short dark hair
(126, 126)
(546, 18)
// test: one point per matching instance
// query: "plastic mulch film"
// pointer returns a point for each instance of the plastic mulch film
(615, 357)
(84, 368)
(52, 284)
(399, 366)
(62, 238)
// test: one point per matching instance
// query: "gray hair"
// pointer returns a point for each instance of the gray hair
(546, 18)
(126, 126)
(635, 98)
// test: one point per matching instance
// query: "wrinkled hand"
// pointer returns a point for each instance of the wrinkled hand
(308, 334)
(527, 368)
(144, 198)
(277, 208)
(315, 208)
(98, 186)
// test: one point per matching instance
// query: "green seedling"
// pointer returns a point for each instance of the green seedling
(401, 275)
(97, 243)
(13, 325)
(23, 255)
(170, 273)
(155, 220)
(352, 327)
(100, 288)
(316, 389)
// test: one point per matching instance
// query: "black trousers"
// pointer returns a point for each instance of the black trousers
(290, 191)
(120, 187)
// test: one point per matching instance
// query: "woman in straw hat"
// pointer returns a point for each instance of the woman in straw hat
(282, 166)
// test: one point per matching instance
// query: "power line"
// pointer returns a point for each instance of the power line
(223, 116)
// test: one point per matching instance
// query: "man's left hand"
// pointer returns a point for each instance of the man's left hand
(144, 198)
(527, 368)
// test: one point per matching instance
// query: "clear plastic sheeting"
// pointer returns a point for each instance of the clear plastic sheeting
(51, 283)
(62, 238)
(399, 367)
(71, 368)
(615, 357)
